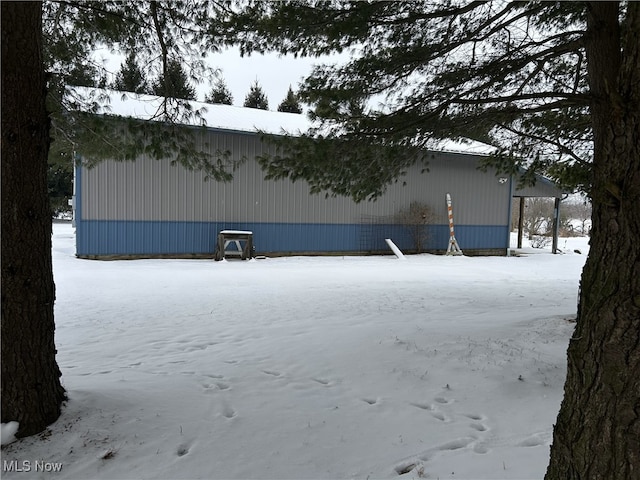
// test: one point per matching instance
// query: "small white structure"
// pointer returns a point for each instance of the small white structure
(395, 249)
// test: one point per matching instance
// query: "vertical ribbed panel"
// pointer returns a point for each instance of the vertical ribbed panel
(101, 237)
(151, 190)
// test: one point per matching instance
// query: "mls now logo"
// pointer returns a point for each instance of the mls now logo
(29, 466)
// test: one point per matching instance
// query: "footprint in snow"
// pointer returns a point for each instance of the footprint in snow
(480, 448)
(532, 441)
(415, 464)
(440, 416)
(408, 467)
(211, 387)
(456, 444)
(273, 373)
(321, 381)
(431, 409)
(479, 427)
(443, 400)
(474, 416)
(183, 449)
(423, 406)
(228, 412)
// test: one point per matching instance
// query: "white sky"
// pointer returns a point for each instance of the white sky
(274, 72)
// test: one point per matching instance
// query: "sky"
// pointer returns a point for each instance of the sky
(275, 73)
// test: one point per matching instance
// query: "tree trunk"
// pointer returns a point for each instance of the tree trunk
(31, 389)
(597, 434)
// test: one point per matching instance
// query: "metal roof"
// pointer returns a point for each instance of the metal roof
(228, 117)
(252, 120)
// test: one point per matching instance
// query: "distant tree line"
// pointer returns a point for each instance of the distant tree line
(174, 82)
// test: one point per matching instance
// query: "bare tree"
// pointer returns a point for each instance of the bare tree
(538, 216)
(416, 219)
(580, 212)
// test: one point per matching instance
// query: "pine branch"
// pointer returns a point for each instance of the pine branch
(538, 138)
(153, 7)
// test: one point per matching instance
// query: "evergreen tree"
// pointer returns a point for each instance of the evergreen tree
(290, 104)
(67, 59)
(219, 93)
(60, 185)
(438, 81)
(173, 82)
(59, 38)
(157, 32)
(556, 86)
(131, 78)
(256, 97)
(31, 390)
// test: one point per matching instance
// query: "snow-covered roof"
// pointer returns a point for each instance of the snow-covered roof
(232, 118)
(222, 117)
(464, 146)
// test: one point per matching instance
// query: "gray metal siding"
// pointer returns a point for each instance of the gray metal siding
(478, 198)
(150, 190)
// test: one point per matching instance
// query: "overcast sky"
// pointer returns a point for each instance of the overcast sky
(273, 72)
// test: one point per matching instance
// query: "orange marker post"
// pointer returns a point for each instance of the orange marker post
(453, 248)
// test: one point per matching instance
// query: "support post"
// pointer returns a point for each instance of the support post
(520, 221)
(556, 225)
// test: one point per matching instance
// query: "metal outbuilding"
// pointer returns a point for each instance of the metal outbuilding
(151, 208)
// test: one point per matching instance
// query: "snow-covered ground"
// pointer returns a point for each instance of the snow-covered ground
(307, 367)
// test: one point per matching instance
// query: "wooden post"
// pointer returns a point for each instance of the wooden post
(219, 252)
(453, 248)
